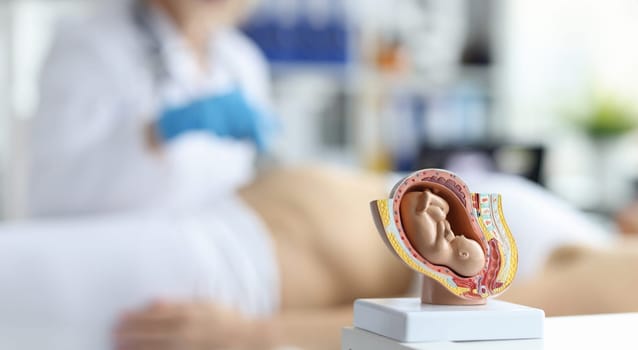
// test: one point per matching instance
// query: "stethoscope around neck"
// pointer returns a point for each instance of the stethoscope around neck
(152, 45)
(154, 50)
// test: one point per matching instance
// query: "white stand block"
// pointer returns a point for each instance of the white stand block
(407, 320)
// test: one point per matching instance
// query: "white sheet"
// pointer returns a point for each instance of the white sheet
(76, 277)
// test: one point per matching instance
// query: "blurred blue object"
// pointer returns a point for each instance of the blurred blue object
(311, 36)
(227, 115)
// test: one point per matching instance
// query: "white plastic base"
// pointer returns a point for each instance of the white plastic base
(407, 320)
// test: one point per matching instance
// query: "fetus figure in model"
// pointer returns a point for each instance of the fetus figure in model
(424, 217)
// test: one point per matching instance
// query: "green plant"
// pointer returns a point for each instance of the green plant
(607, 118)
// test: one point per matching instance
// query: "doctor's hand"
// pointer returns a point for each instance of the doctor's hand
(189, 326)
(228, 115)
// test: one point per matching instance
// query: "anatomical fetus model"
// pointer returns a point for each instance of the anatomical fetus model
(458, 240)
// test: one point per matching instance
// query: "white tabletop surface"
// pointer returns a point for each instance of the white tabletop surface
(614, 331)
(617, 331)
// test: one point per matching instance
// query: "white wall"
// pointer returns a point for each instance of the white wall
(556, 54)
(26, 31)
(5, 96)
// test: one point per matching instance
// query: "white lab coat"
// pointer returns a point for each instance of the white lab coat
(98, 91)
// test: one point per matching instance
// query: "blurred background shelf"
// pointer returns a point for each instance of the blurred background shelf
(391, 85)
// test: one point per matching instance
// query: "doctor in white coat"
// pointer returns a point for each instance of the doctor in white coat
(148, 103)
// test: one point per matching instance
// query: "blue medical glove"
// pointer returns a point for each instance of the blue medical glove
(228, 115)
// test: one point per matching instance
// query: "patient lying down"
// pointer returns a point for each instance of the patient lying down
(279, 267)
